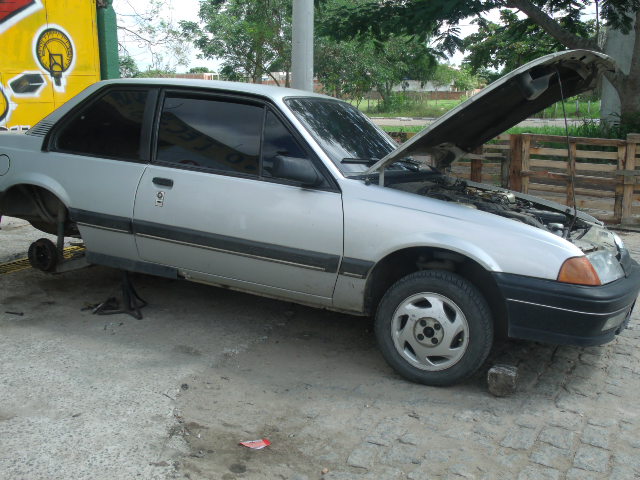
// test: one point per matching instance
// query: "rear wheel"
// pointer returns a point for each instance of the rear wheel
(434, 327)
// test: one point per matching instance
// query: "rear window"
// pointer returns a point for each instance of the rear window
(109, 127)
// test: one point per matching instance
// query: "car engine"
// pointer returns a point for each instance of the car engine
(498, 202)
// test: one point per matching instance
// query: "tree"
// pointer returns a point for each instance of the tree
(513, 42)
(343, 68)
(228, 73)
(353, 67)
(396, 59)
(156, 73)
(250, 37)
(199, 70)
(558, 18)
(128, 67)
(152, 30)
(444, 75)
(466, 80)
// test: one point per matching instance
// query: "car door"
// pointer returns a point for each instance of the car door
(210, 204)
(98, 152)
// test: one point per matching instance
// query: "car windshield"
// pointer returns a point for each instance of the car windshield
(347, 136)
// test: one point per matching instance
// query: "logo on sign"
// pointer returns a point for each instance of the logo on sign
(4, 106)
(54, 52)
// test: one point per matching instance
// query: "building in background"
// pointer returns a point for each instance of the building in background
(51, 50)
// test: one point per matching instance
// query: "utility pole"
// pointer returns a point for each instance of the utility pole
(302, 51)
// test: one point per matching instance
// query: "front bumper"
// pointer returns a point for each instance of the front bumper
(560, 313)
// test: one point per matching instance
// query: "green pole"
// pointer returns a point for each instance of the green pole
(108, 40)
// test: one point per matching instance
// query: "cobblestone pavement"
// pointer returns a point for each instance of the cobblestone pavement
(332, 404)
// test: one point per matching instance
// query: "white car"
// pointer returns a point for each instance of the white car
(298, 196)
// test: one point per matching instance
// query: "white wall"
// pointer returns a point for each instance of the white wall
(414, 86)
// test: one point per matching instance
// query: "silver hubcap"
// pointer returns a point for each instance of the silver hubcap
(430, 331)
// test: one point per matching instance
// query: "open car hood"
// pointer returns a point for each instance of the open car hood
(501, 105)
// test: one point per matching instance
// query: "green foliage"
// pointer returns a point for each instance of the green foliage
(128, 67)
(156, 73)
(418, 106)
(425, 19)
(404, 105)
(574, 131)
(465, 80)
(228, 73)
(443, 76)
(435, 18)
(199, 70)
(343, 68)
(350, 68)
(248, 36)
(396, 59)
(620, 129)
(512, 42)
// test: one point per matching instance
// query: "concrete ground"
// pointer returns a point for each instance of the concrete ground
(171, 395)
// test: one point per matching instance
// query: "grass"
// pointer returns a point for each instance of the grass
(545, 130)
(428, 109)
(581, 109)
(431, 109)
(574, 131)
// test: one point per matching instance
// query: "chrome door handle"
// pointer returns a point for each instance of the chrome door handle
(164, 182)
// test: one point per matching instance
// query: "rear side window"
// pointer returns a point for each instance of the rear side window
(109, 127)
(210, 133)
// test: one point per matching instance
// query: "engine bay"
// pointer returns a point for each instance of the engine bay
(499, 202)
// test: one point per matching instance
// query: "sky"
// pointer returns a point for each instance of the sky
(178, 10)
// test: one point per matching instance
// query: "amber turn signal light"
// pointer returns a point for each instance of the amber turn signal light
(578, 270)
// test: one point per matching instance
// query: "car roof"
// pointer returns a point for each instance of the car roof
(269, 91)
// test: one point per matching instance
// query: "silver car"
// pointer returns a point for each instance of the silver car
(298, 196)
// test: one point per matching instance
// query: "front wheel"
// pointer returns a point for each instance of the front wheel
(434, 327)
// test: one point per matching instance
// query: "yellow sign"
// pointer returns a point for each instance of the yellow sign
(49, 54)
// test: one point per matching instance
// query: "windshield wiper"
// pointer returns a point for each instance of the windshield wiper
(410, 163)
(359, 161)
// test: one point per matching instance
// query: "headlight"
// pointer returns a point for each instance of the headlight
(618, 241)
(580, 271)
(606, 265)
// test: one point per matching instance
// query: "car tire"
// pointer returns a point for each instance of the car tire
(43, 255)
(434, 327)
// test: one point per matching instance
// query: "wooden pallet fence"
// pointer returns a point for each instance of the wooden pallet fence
(604, 172)
(607, 181)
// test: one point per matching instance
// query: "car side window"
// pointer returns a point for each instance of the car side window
(108, 127)
(277, 140)
(209, 133)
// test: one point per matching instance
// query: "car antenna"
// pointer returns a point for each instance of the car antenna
(572, 170)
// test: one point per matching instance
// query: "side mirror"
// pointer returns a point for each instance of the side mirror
(296, 169)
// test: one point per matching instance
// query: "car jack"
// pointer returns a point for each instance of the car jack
(131, 301)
